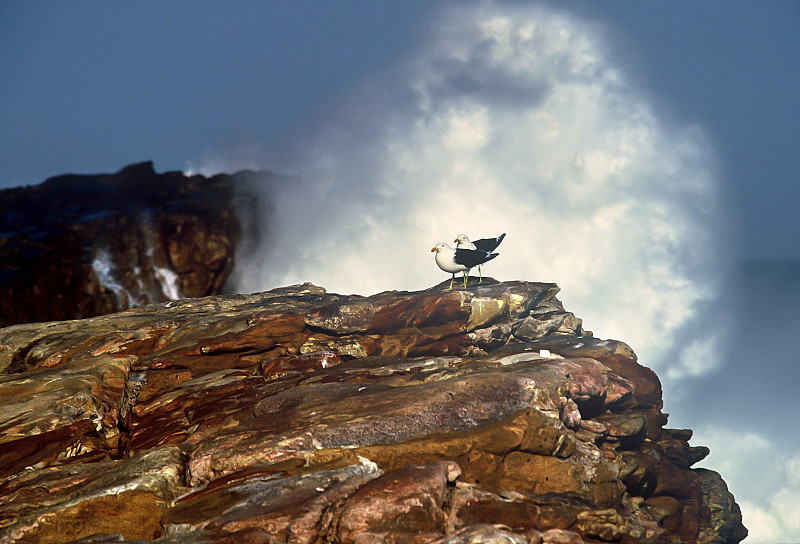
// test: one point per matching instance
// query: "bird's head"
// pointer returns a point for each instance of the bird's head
(439, 247)
(461, 239)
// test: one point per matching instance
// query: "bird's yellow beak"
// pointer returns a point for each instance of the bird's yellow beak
(456, 240)
(433, 249)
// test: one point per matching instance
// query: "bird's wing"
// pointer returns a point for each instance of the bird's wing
(473, 257)
(488, 244)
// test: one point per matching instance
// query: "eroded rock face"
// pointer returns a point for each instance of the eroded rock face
(83, 245)
(296, 415)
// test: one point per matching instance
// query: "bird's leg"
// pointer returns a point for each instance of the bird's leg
(480, 275)
(466, 278)
(452, 280)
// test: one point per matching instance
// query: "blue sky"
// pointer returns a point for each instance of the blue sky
(647, 146)
(91, 86)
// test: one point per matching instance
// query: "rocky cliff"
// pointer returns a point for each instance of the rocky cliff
(478, 415)
(84, 245)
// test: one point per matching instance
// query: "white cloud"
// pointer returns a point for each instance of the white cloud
(696, 358)
(776, 522)
(736, 454)
(765, 482)
(793, 470)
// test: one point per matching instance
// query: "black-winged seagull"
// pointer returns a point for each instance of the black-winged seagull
(460, 260)
(484, 244)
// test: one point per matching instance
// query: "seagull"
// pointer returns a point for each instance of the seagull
(484, 244)
(460, 260)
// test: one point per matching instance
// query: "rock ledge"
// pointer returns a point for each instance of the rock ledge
(478, 415)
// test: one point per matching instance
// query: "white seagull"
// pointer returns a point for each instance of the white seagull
(484, 244)
(460, 260)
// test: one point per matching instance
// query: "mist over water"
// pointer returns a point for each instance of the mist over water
(508, 119)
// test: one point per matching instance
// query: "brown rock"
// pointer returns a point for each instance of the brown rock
(628, 429)
(55, 414)
(725, 522)
(560, 536)
(124, 497)
(638, 470)
(617, 357)
(409, 500)
(470, 505)
(283, 501)
(606, 525)
(483, 534)
(109, 242)
(302, 416)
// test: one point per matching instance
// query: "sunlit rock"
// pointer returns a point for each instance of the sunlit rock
(297, 415)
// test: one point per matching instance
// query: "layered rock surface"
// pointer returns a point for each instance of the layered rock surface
(479, 415)
(84, 245)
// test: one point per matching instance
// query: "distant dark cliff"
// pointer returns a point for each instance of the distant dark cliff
(84, 245)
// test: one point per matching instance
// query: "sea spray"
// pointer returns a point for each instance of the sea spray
(509, 119)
